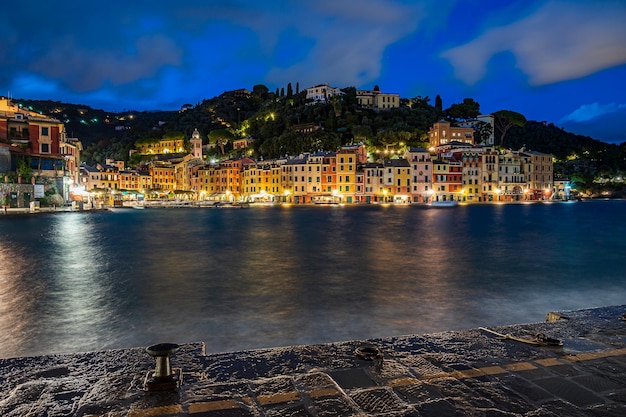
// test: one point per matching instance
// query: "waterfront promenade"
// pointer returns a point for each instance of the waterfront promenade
(463, 373)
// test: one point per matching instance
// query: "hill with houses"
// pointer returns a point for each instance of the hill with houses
(291, 123)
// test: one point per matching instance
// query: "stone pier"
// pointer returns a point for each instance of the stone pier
(519, 370)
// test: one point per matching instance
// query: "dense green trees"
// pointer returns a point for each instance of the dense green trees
(468, 109)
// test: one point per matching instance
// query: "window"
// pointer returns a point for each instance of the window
(45, 148)
(44, 131)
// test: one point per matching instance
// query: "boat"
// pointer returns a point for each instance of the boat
(443, 204)
(228, 204)
(138, 207)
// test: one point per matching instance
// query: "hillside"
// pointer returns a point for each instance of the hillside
(274, 120)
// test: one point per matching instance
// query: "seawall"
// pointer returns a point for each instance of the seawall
(572, 364)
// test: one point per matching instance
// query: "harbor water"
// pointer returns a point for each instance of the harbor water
(275, 276)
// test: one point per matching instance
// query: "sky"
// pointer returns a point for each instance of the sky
(563, 62)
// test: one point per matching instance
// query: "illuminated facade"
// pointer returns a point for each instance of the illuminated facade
(455, 171)
(541, 175)
(346, 174)
(490, 170)
(397, 180)
(371, 180)
(163, 177)
(447, 180)
(163, 146)
(472, 176)
(421, 172)
(441, 133)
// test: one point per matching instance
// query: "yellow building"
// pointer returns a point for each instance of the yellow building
(472, 175)
(376, 100)
(261, 183)
(294, 172)
(207, 182)
(397, 177)
(346, 174)
(314, 171)
(163, 146)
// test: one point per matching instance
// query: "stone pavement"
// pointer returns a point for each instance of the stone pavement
(461, 373)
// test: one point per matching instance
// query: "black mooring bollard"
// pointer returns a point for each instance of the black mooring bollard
(163, 378)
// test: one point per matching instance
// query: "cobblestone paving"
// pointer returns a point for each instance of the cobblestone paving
(464, 373)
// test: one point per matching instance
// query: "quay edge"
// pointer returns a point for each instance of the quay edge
(468, 372)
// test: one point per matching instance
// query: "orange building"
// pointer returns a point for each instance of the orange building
(442, 134)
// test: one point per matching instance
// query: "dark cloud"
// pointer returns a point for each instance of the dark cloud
(86, 69)
(602, 122)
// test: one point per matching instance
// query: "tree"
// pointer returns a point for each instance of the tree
(506, 119)
(221, 137)
(438, 104)
(260, 91)
(24, 170)
(469, 109)
(483, 131)
(361, 133)
(289, 90)
(173, 135)
(420, 102)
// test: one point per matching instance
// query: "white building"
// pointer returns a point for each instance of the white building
(322, 93)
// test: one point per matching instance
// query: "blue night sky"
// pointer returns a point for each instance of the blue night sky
(559, 61)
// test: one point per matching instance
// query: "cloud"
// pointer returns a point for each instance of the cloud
(85, 69)
(559, 41)
(345, 43)
(604, 122)
(592, 111)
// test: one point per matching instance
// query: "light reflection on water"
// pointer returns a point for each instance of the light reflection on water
(239, 279)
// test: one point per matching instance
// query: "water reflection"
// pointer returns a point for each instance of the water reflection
(17, 300)
(239, 279)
